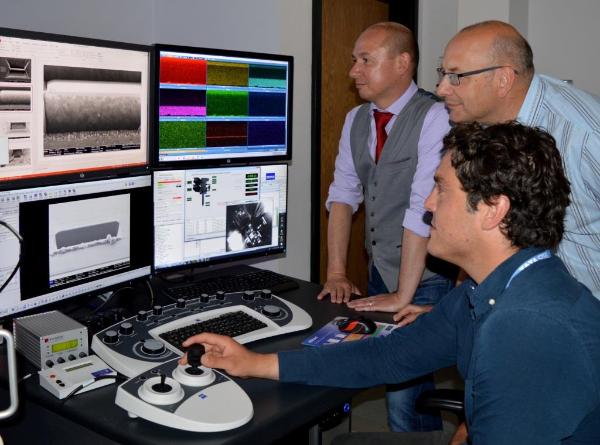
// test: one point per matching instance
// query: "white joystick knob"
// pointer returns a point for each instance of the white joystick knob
(161, 391)
(189, 376)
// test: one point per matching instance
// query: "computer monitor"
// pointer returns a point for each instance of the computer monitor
(71, 106)
(77, 238)
(204, 216)
(217, 106)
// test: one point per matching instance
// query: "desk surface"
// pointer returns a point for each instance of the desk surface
(279, 408)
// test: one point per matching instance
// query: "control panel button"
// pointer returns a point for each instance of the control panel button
(204, 298)
(142, 316)
(111, 337)
(271, 311)
(49, 363)
(266, 293)
(126, 328)
(220, 295)
(82, 354)
(71, 357)
(180, 303)
(60, 360)
(153, 347)
(157, 310)
(248, 295)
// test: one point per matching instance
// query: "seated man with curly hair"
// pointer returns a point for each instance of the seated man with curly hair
(522, 331)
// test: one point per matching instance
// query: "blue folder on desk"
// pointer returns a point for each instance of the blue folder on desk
(330, 334)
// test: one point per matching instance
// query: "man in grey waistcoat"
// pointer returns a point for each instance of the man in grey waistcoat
(388, 153)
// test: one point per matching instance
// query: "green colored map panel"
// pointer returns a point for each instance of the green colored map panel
(177, 134)
(267, 76)
(226, 103)
(230, 74)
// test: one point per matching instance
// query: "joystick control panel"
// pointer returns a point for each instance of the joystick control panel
(188, 397)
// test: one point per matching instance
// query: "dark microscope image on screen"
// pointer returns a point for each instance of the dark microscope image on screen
(89, 110)
(85, 242)
(249, 225)
(210, 107)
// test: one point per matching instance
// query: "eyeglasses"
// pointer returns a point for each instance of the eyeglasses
(454, 78)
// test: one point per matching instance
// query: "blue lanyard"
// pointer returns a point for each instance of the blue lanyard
(534, 259)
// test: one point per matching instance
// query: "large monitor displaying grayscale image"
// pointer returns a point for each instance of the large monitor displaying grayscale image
(207, 215)
(71, 106)
(78, 238)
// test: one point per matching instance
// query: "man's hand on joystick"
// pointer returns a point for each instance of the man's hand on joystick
(194, 354)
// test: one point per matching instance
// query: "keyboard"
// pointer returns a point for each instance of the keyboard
(154, 336)
(232, 324)
(254, 279)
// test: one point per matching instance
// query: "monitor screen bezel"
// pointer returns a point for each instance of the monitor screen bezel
(87, 174)
(176, 165)
(242, 256)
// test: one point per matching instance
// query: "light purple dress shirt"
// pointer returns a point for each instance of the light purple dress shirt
(346, 187)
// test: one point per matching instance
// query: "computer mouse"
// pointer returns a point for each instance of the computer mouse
(357, 325)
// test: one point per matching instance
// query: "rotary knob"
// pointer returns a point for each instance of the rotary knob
(111, 337)
(204, 298)
(248, 295)
(153, 347)
(266, 293)
(180, 303)
(126, 328)
(271, 311)
(157, 310)
(142, 315)
(220, 295)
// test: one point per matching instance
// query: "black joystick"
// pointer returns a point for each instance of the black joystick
(162, 387)
(194, 354)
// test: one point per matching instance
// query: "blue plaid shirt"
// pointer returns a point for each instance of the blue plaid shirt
(572, 116)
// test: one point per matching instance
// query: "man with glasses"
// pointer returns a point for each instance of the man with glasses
(487, 75)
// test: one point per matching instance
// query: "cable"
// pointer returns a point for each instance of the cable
(102, 377)
(111, 296)
(20, 238)
(151, 292)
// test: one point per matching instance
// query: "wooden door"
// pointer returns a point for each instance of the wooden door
(341, 21)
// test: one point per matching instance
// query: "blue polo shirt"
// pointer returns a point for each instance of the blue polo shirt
(529, 354)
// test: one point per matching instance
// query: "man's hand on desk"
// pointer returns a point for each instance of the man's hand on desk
(225, 353)
(404, 315)
(339, 288)
(377, 303)
(410, 313)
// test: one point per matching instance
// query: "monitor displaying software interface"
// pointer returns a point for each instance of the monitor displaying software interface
(216, 105)
(77, 238)
(213, 214)
(79, 107)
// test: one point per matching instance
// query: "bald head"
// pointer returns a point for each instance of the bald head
(504, 44)
(399, 39)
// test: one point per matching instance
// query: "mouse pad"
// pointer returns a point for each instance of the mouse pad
(330, 334)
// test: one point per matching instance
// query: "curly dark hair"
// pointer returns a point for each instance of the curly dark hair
(521, 163)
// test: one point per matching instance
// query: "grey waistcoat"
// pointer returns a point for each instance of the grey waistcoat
(387, 184)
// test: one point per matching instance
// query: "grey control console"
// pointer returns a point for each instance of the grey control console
(186, 397)
(137, 344)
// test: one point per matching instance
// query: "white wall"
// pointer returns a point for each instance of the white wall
(565, 38)
(276, 26)
(564, 35)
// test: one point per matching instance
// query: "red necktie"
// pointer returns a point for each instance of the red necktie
(381, 120)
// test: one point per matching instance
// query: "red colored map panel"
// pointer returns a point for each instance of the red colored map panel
(226, 134)
(184, 71)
